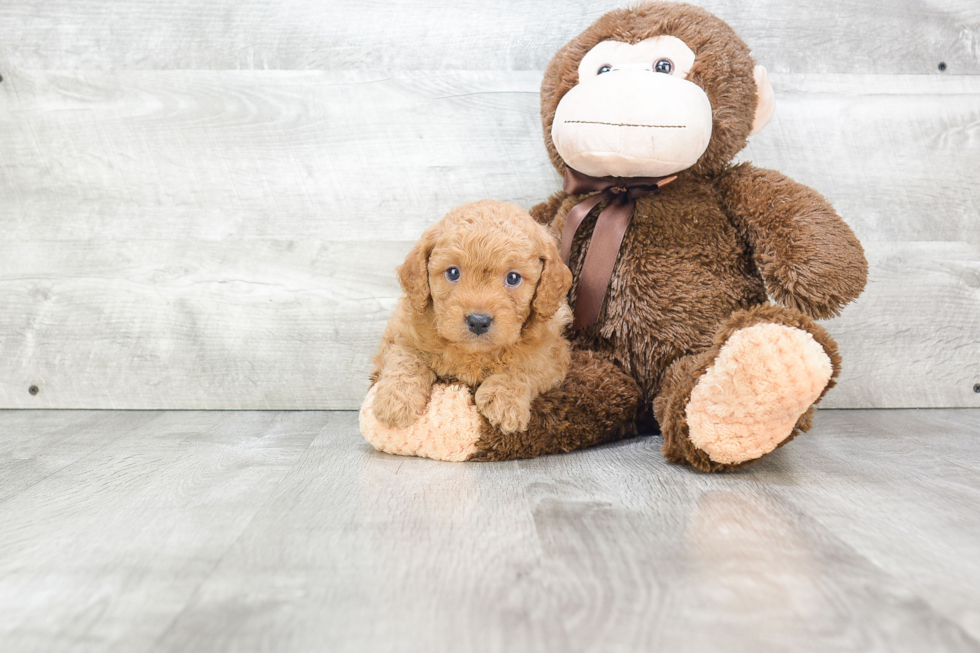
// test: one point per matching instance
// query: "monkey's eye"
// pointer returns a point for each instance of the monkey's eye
(605, 68)
(452, 274)
(665, 66)
(513, 279)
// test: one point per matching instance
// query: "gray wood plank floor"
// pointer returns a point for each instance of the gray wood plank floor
(284, 531)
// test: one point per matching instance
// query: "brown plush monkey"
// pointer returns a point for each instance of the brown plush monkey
(676, 252)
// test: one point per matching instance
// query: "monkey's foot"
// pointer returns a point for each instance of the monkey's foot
(748, 401)
(447, 430)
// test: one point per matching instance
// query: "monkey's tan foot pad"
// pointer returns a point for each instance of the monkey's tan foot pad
(763, 379)
(447, 430)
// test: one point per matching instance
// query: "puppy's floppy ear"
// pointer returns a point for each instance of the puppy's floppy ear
(413, 274)
(555, 279)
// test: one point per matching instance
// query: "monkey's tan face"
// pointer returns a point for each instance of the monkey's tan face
(633, 112)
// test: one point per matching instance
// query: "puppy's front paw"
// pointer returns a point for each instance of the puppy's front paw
(507, 408)
(398, 404)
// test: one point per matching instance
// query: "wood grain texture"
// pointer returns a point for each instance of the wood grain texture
(268, 324)
(844, 478)
(35, 446)
(216, 532)
(355, 155)
(103, 554)
(913, 338)
(294, 155)
(870, 36)
(893, 153)
(228, 239)
(178, 324)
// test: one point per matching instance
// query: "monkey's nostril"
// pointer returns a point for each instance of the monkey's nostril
(478, 323)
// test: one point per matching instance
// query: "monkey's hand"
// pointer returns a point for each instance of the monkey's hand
(808, 256)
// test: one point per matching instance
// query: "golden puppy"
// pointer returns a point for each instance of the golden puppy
(484, 304)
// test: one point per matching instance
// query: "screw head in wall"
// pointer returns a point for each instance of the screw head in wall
(34, 390)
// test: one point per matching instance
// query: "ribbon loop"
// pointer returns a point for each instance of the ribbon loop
(607, 236)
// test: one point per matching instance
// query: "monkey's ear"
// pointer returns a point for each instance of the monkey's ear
(554, 283)
(767, 100)
(413, 274)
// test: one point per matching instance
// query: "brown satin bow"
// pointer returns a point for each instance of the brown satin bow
(607, 236)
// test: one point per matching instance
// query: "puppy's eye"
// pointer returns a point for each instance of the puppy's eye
(665, 66)
(452, 274)
(605, 68)
(513, 279)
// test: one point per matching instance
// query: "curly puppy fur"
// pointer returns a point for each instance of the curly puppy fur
(521, 355)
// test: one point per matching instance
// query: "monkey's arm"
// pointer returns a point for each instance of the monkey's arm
(544, 212)
(808, 256)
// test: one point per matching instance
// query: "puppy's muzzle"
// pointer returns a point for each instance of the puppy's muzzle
(478, 323)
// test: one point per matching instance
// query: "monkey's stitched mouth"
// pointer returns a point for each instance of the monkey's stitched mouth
(623, 124)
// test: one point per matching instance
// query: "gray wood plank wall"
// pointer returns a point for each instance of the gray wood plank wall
(202, 204)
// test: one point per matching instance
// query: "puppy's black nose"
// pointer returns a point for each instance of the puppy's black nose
(478, 323)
